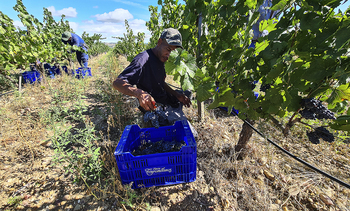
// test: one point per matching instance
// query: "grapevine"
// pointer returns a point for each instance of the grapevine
(304, 54)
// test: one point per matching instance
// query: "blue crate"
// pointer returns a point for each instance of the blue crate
(82, 72)
(31, 76)
(65, 69)
(56, 70)
(50, 73)
(47, 66)
(32, 67)
(159, 169)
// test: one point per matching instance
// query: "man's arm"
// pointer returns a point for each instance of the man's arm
(146, 100)
(181, 97)
(75, 40)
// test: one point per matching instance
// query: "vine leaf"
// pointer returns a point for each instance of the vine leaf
(182, 65)
(341, 123)
(203, 92)
(339, 94)
(280, 5)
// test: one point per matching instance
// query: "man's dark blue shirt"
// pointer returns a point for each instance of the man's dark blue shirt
(147, 72)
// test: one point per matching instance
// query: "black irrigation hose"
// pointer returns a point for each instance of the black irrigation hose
(295, 157)
(6, 93)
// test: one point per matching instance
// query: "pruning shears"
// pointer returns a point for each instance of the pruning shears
(156, 105)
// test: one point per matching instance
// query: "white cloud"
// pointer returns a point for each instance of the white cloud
(104, 28)
(18, 24)
(95, 7)
(69, 12)
(137, 22)
(89, 21)
(109, 30)
(116, 16)
(74, 25)
(138, 25)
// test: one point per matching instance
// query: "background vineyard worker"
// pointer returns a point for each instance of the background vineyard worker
(147, 72)
(73, 39)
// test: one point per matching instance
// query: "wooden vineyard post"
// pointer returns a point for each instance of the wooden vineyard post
(199, 103)
(20, 83)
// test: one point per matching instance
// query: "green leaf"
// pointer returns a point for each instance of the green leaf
(342, 37)
(2, 30)
(341, 123)
(215, 102)
(339, 94)
(275, 72)
(202, 91)
(187, 83)
(310, 21)
(250, 3)
(316, 72)
(280, 5)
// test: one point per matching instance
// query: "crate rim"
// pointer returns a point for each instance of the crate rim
(120, 147)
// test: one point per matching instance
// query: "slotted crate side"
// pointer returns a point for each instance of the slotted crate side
(173, 175)
(128, 161)
(157, 169)
(82, 72)
(56, 70)
(31, 76)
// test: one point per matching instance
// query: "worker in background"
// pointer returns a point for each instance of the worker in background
(73, 39)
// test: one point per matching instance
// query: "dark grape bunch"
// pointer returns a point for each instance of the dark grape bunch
(265, 87)
(158, 147)
(152, 117)
(320, 133)
(157, 117)
(314, 109)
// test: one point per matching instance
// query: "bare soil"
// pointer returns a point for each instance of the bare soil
(266, 179)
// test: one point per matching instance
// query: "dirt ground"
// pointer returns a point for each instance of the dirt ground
(266, 180)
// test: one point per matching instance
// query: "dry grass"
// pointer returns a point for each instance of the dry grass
(268, 179)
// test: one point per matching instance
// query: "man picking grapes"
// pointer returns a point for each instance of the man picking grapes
(74, 39)
(147, 72)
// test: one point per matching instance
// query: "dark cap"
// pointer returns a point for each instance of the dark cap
(172, 36)
(66, 35)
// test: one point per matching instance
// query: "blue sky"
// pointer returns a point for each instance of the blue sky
(104, 17)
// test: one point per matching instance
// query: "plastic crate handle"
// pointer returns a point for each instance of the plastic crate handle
(128, 129)
(188, 132)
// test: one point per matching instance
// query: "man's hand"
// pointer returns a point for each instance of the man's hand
(147, 102)
(184, 100)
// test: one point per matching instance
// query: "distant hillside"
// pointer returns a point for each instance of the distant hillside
(110, 44)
